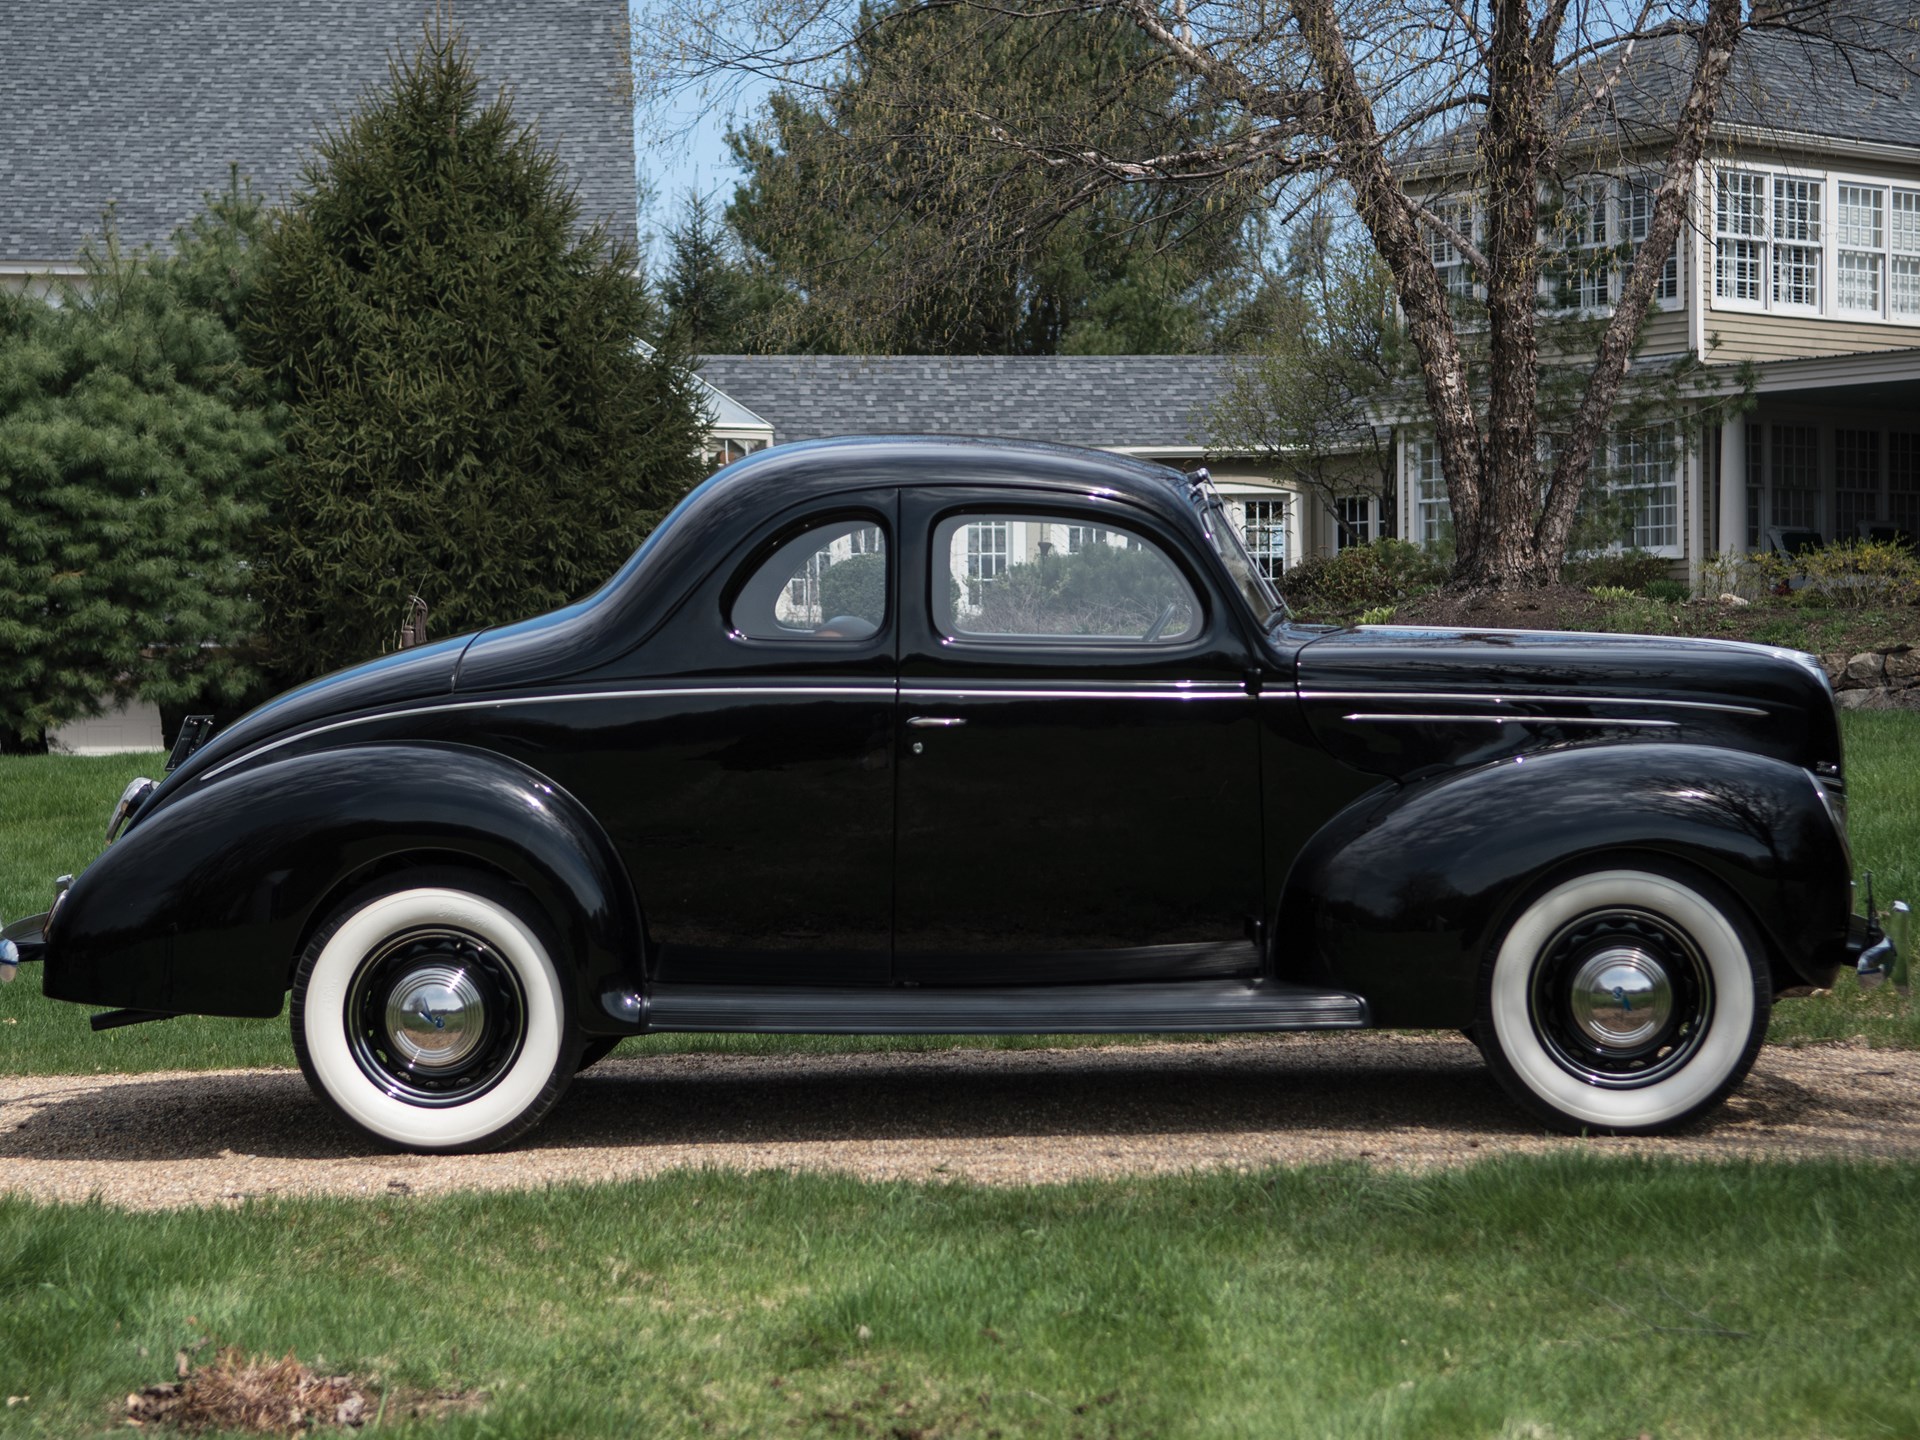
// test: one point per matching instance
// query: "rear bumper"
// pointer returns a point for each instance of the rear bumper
(21, 943)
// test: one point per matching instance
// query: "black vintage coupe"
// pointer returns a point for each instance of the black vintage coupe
(908, 735)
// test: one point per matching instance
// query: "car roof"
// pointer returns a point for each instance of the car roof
(802, 470)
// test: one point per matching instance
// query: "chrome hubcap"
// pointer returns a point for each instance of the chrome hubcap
(436, 1017)
(1621, 997)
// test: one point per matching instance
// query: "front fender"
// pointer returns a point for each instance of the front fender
(1402, 896)
(201, 907)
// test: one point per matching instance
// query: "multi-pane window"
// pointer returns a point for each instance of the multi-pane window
(1081, 537)
(1456, 276)
(1903, 481)
(986, 550)
(1636, 218)
(1877, 230)
(1756, 479)
(1586, 267)
(1356, 527)
(1856, 481)
(1795, 475)
(1265, 530)
(1643, 476)
(1433, 513)
(1739, 236)
(1796, 241)
(1776, 235)
(1903, 258)
(1860, 227)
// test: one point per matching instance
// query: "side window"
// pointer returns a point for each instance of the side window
(829, 583)
(1039, 577)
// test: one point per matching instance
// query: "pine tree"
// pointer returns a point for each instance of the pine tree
(470, 418)
(132, 456)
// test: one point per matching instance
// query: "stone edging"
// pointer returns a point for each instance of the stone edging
(1876, 679)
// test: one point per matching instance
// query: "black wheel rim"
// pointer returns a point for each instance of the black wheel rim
(1621, 998)
(435, 1017)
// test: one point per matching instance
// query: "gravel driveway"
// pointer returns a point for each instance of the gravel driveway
(996, 1117)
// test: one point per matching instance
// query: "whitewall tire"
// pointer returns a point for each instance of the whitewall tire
(1624, 1001)
(429, 1013)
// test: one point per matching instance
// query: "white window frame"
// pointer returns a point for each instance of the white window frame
(1432, 510)
(1896, 198)
(1455, 273)
(1367, 523)
(1646, 461)
(1670, 292)
(1266, 533)
(1616, 211)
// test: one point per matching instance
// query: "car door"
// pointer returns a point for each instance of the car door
(1078, 794)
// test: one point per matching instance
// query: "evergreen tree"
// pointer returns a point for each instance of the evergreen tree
(470, 417)
(706, 292)
(132, 455)
(903, 228)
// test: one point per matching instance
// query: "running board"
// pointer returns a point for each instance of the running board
(1199, 1005)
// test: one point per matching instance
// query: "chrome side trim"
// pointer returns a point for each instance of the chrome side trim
(510, 702)
(1213, 691)
(1232, 692)
(1457, 697)
(1599, 721)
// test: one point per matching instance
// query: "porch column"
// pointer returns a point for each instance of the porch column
(1733, 487)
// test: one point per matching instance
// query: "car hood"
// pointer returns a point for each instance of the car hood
(1399, 700)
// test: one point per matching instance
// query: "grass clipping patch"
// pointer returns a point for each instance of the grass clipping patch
(274, 1397)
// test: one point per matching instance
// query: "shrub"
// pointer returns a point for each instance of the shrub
(133, 455)
(1361, 577)
(1626, 569)
(1672, 592)
(1101, 590)
(1860, 574)
(1751, 577)
(855, 586)
(1852, 575)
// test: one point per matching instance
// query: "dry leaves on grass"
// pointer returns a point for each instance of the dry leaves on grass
(275, 1397)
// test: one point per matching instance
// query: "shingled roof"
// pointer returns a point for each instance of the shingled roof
(145, 105)
(1846, 71)
(1146, 402)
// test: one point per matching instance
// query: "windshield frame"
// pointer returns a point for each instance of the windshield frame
(1260, 593)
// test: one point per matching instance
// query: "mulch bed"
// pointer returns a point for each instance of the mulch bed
(1821, 630)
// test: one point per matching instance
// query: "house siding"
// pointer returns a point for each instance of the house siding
(1743, 335)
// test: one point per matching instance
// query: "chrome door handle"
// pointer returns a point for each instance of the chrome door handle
(935, 722)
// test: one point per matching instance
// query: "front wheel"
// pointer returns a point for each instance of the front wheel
(1624, 1002)
(429, 1014)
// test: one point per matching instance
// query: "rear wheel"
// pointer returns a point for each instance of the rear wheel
(1624, 1001)
(429, 1013)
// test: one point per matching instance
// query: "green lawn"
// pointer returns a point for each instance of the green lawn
(52, 811)
(1566, 1297)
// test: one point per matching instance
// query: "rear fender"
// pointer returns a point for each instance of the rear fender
(1402, 896)
(204, 905)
